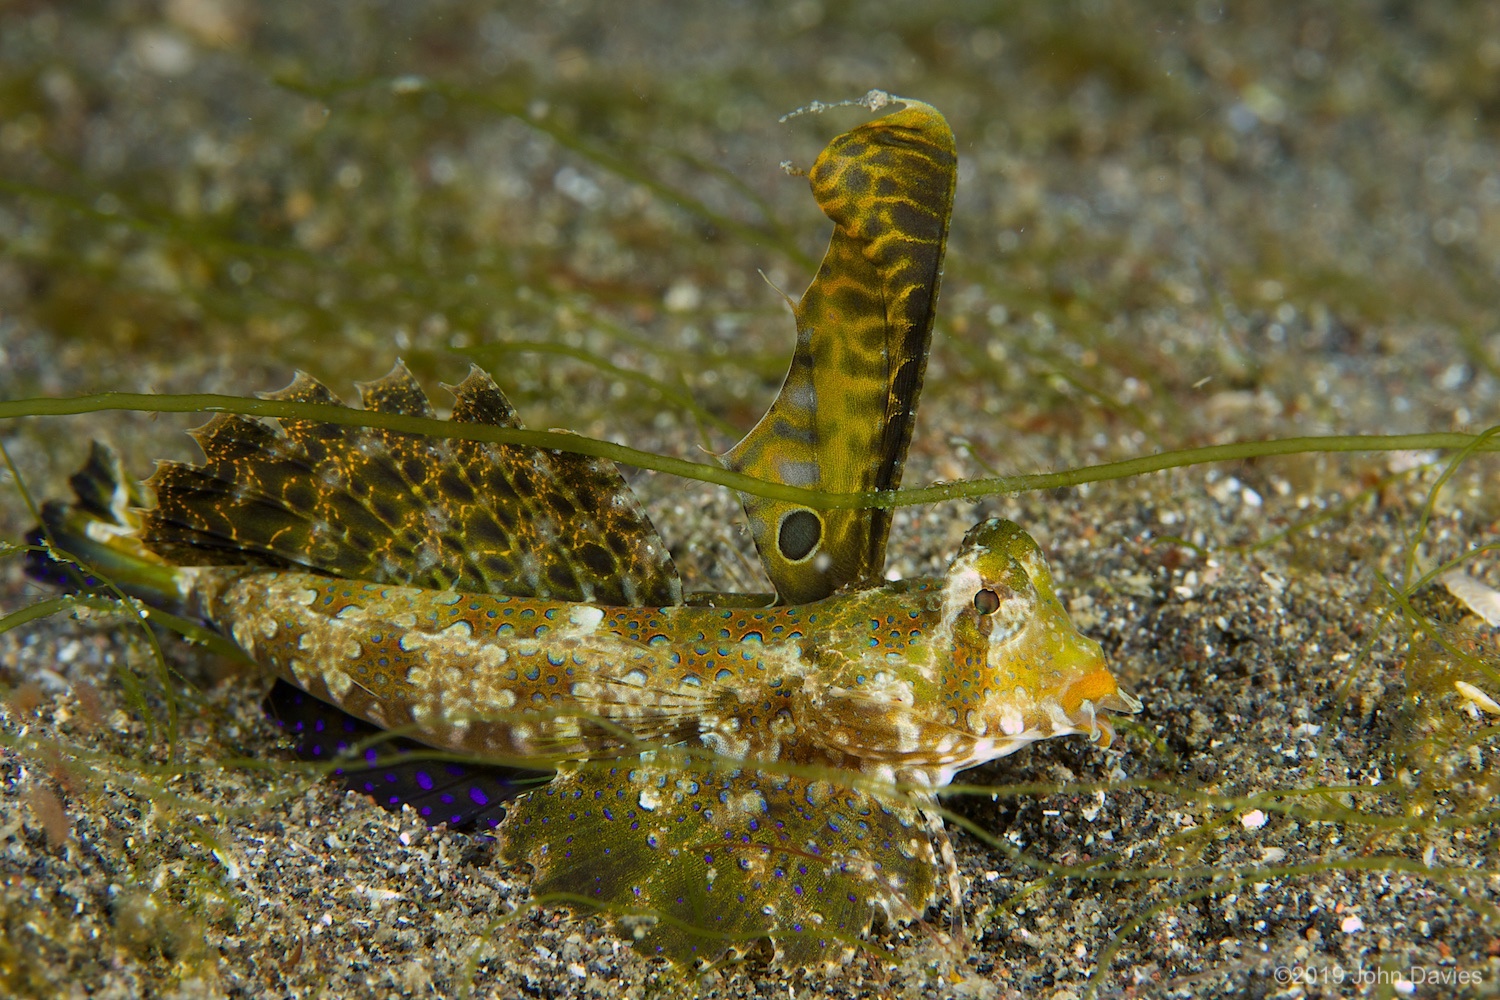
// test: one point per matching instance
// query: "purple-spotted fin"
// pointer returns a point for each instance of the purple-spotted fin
(697, 861)
(465, 796)
(367, 503)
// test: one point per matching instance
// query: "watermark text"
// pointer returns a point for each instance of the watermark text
(1404, 980)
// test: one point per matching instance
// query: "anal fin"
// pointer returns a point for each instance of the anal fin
(463, 795)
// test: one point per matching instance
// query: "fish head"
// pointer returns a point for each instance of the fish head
(1020, 670)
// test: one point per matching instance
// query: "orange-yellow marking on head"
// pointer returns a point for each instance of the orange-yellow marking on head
(1090, 687)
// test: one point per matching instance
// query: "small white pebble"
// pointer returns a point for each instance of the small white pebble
(1352, 924)
(1477, 698)
(1253, 820)
(230, 865)
(578, 970)
(683, 296)
(1406, 461)
(1477, 596)
(1272, 855)
(377, 896)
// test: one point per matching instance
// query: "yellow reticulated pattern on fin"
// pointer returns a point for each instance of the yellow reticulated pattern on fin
(843, 419)
(373, 504)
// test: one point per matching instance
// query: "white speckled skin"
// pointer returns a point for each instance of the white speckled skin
(908, 681)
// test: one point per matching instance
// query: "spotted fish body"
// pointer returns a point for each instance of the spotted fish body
(712, 776)
(723, 775)
(740, 722)
(910, 681)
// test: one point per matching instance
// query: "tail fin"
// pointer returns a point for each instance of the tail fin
(92, 545)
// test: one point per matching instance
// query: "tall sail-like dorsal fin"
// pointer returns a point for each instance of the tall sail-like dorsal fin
(843, 419)
(374, 504)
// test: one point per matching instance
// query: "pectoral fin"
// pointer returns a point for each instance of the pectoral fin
(697, 862)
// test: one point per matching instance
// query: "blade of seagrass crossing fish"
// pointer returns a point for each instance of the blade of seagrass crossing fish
(465, 796)
(380, 505)
(716, 859)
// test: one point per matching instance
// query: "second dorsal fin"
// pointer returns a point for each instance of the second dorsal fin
(375, 504)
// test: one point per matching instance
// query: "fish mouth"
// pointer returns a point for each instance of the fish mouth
(1085, 706)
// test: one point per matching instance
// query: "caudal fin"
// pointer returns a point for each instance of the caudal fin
(92, 544)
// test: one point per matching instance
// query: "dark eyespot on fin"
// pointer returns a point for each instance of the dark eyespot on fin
(799, 534)
(697, 863)
(465, 796)
(381, 505)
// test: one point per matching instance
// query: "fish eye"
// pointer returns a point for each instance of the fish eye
(986, 602)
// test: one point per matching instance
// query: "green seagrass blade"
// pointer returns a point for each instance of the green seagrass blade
(843, 419)
(385, 506)
(696, 862)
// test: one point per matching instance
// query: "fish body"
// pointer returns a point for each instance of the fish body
(713, 776)
(720, 775)
(907, 682)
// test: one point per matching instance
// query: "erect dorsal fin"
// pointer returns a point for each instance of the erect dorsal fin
(374, 504)
(843, 419)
